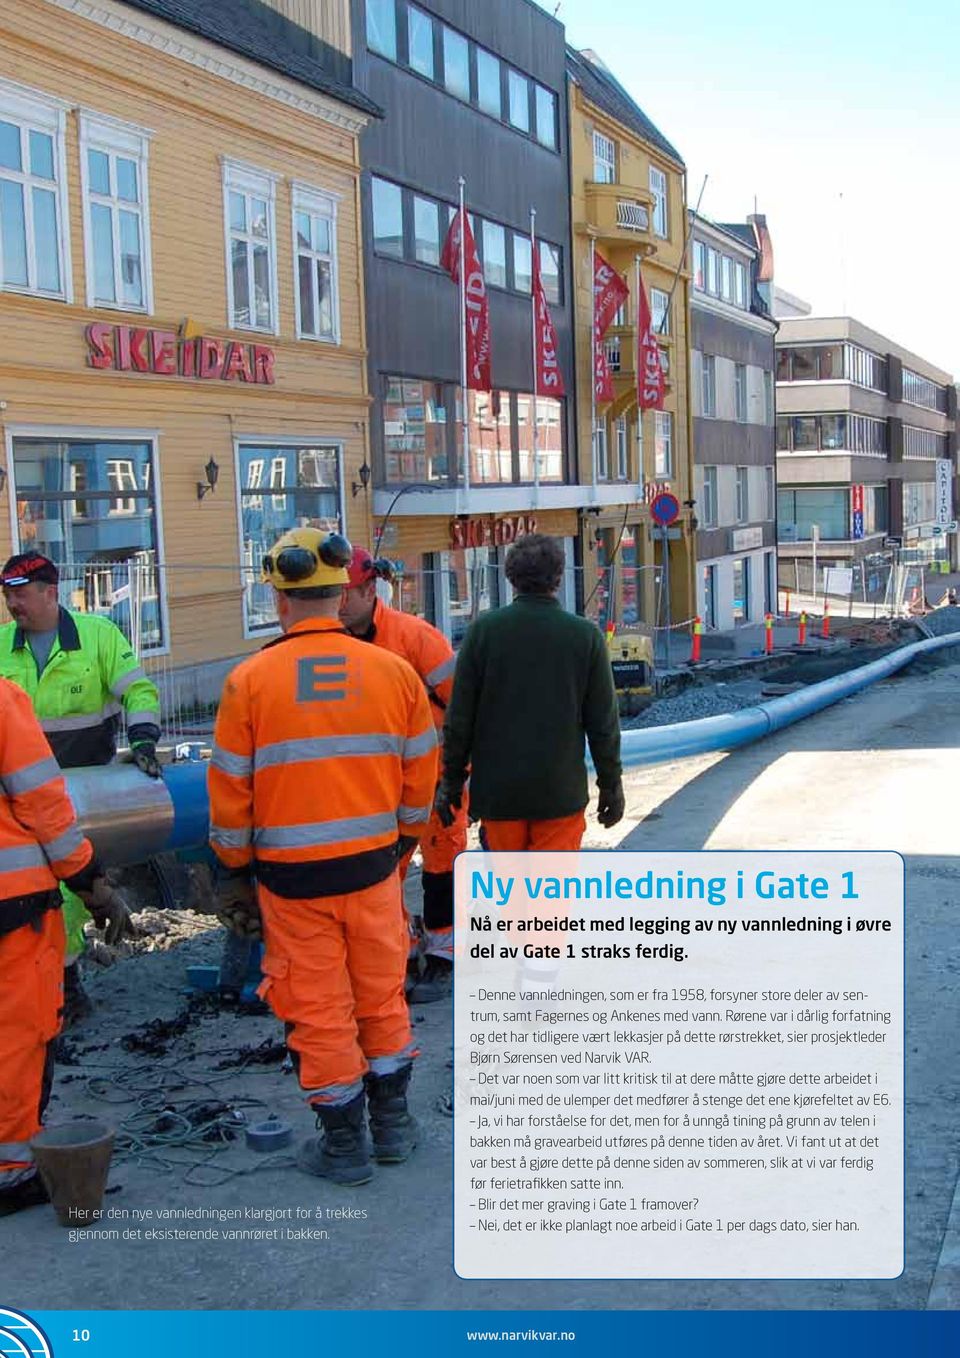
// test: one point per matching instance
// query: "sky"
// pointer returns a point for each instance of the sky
(841, 118)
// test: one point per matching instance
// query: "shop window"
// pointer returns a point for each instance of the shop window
(741, 589)
(304, 486)
(415, 432)
(249, 197)
(105, 543)
(34, 244)
(116, 225)
(709, 616)
(315, 234)
(631, 591)
(473, 587)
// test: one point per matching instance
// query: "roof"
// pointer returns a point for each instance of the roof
(604, 90)
(252, 30)
(741, 232)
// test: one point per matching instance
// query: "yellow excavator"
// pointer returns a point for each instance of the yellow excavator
(631, 659)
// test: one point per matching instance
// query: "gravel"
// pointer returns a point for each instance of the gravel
(693, 703)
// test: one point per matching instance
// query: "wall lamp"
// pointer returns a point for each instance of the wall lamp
(212, 473)
(364, 474)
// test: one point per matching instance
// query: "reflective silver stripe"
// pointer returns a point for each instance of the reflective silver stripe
(324, 832)
(30, 777)
(83, 722)
(413, 815)
(325, 747)
(236, 765)
(18, 1151)
(64, 845)
(143, 719)
(230, 839)
(333, 1096)
(442, 672)
(119, 687)
(23, 856)
(421, 744)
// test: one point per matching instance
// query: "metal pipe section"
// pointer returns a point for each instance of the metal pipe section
(711, 734)
(130, 817)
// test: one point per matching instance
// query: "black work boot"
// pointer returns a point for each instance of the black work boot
(27, 1193)
(393, 1130)
(77, 1004)
(436, 982)
(341, 1154)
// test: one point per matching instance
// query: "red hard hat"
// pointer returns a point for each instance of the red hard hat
(362, 567)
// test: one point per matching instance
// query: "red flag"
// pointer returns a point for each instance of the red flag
(650, 379)
(602, 380)
(549, 376)
(478, 306)
(609, 292)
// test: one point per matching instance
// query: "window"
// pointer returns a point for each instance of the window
(864, 368)
(743, 494)
(923, 444)
(921, 391)
(105, 544)
(251, 252)
(741, 589)
(700, 265)
(613, 349)
(708, 386)
(659, 311)
(494, 255)
(713, 272)
(663, 444)
(546, 105)
(726, 278)
(473, 586)
(522, 263)
(709, 498)
(740, 392)
(799, 511)
(382, 28)
(518, 92)
(806, 433)
(859, 434)
(710, 595)
(315, 246)
(489, 96)
(304, 482)
(919, 501)
(426, 231)
(600, 460)
(740, 285)
(420, 41)
(414, 431)
(604, 159)
(550, 272)
(387, 218)
(622, 448)
(34, 245)
(456, 64)
(658, 187)
(768, 407)
(113, 161)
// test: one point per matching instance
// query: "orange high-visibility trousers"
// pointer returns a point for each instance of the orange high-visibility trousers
(334, 968)
(543, 836)
(31, 1001)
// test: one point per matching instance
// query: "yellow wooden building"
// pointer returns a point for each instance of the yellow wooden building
(182, 345)
(629, 206)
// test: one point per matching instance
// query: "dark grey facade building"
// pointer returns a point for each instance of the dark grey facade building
(472, 91)
(732, 377)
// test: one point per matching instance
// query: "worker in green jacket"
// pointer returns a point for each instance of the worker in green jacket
(80, 673)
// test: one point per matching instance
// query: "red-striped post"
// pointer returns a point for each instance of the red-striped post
(768, 639)
(695, 641)
(825, 630)
(802, 630)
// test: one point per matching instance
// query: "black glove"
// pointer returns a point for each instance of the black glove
(611, 805)
(109, 910)
(144, 755)
(446, 803)
(237, 906)
(405, 846)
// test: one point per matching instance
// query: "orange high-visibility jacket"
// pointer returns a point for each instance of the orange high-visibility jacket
(324, 752)
(40, 841)
(423, 646)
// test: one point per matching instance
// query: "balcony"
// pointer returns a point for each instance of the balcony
(620, 343)
(618, 215)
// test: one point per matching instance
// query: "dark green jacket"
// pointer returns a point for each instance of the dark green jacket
(531, 682)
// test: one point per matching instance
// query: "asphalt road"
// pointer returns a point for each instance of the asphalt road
(878, 771)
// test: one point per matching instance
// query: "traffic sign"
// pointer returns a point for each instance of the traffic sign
(938, 530)
(665, 509)
(893, 542)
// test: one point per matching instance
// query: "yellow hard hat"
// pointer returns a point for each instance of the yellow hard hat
(306, 558)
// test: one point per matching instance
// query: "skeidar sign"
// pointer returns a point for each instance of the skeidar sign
(490, 532)
(128, 348)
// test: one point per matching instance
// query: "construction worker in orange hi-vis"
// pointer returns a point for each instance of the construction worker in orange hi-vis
(41, 846)
(368, 617)
(322, 777)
